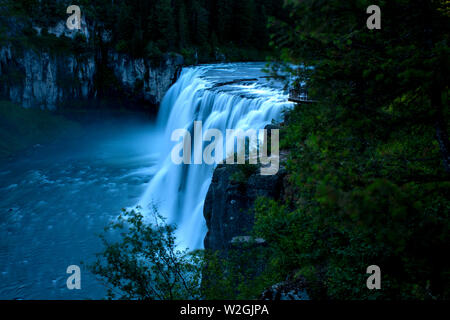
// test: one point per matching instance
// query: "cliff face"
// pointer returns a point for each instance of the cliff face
(149, 82)
(228, 205)
(39, 77)
(229, 218)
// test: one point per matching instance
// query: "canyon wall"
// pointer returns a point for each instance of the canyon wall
(229, 203)
(229, 215)
(37, 76)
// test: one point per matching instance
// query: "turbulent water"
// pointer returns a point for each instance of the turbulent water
(56, 199)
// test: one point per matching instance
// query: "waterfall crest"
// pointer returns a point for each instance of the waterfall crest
(208, 94)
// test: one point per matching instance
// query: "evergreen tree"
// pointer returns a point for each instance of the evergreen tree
(224, 21)
(243, 16)
(199, 22)
(182, 24)
(141, 26)
(165, 26)
(368, 170)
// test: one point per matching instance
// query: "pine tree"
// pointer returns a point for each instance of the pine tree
(368, 158)
(165, 27)
(182, 24)
(243, 16)
(200, 23)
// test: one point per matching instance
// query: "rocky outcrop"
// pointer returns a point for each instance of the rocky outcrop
(42, 78)
(228, 205)
(291, 289)
(39, 79)
(141, 77)
(230, 218)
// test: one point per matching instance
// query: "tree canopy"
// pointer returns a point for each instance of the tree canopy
(142, 27)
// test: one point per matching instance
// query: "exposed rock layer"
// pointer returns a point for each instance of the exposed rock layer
(228, 205)
(36, 76)
(230, 218)
(291, 289)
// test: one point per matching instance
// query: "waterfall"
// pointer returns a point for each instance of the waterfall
(200, 94)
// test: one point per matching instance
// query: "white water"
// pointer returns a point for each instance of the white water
(179, 191)
(57, 198)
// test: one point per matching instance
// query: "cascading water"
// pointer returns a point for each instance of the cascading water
(215, 95)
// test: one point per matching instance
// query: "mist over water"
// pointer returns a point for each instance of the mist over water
(56, 199)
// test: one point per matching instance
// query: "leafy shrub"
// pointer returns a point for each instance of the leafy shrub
(141, 261)
(146, 262)
(243, 172)
(152, 51)
(357, 198)
(240, 274)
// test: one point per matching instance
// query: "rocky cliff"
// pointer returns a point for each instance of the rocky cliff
(37, 76)
(39, 79)
(229, 218)
(142, 78)
(228, 204)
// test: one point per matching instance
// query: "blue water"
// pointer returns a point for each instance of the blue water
(56, 199)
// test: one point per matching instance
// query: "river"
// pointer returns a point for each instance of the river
(56, 199)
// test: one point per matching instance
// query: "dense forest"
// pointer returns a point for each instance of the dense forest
(369, 165)
(201, 30)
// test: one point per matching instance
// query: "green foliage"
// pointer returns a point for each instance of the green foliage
(43, 12)
(146, 263)
(165, 24)
(241, 274)
(152, 50)
(121, 46)
(141, 261)
(169, 25)
(189, 55)
(237, 29)
(243, 20)
(243, 172)
(367, 184)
